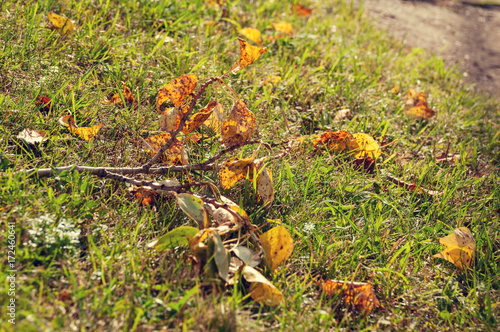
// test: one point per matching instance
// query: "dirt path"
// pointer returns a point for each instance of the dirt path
(457, 32)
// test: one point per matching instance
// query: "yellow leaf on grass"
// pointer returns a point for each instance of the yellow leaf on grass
(176, 91)
(265, 186)
(261, 289)
(234, 169)
(252, 34)
(278, 246)
(283, 27)
(273, 80)
(249, 53)
(86, 133)
(176, 154)
(416, 105)
(363, 146)
(61, 24)
(460, 248)
(199, 118)
(117, 99)
(239, 125)
(216, 119)
(355, 295)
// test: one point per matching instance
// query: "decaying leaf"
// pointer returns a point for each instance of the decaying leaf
(33, 137)
(116, 99)
(239, 125)
(355, 295)
(368, 164)
(193, 206)
(284, 27)
(460, 248)
(199, 118)
(61, 24)
(170, 119)
(145, 196)
(416, 105)
(363, 145)
(44, 103)
(234, 169)
(176, 91)
(265, 186)
(278, 246)
(248, 54)
(176, 154)
(300, 10)
(177, 237)
(86, 133)
(334, 141)
(261, 289)
(216, 119)
(252, 34)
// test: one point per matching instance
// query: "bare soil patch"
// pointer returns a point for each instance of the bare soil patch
(461, 32)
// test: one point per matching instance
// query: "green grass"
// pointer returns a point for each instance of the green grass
(346, 224)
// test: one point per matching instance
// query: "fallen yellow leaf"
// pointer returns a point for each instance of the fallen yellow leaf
(61, 24)
(239, 125)
(252, 34)
(176, 91)
(278, 246)
(460, 248)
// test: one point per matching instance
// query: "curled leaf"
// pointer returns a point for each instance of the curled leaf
(61, 24)
(265, 186)
(239, 125)
(176, 91)
(252, 34)
(44, 103)
(460, 248)
(355, 295)
(278, 246)
(86, 133)
(249, 54)
(416, 105)
(261, 289)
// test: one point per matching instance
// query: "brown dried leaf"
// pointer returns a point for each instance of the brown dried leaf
(33, 137)
(117, 99)
(358, 296)
(416, 105)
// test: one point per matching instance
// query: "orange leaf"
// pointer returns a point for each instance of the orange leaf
(176, 91)
(249, 53)
(334, 141)
(145, 196)
(117, 99)
(199, 118)
(283, 27)
(239, 125)
(300, 10)
(252, 34)
(86, 133)
(355, 295)
(416, 105)
(44, 103)
(176, 154)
